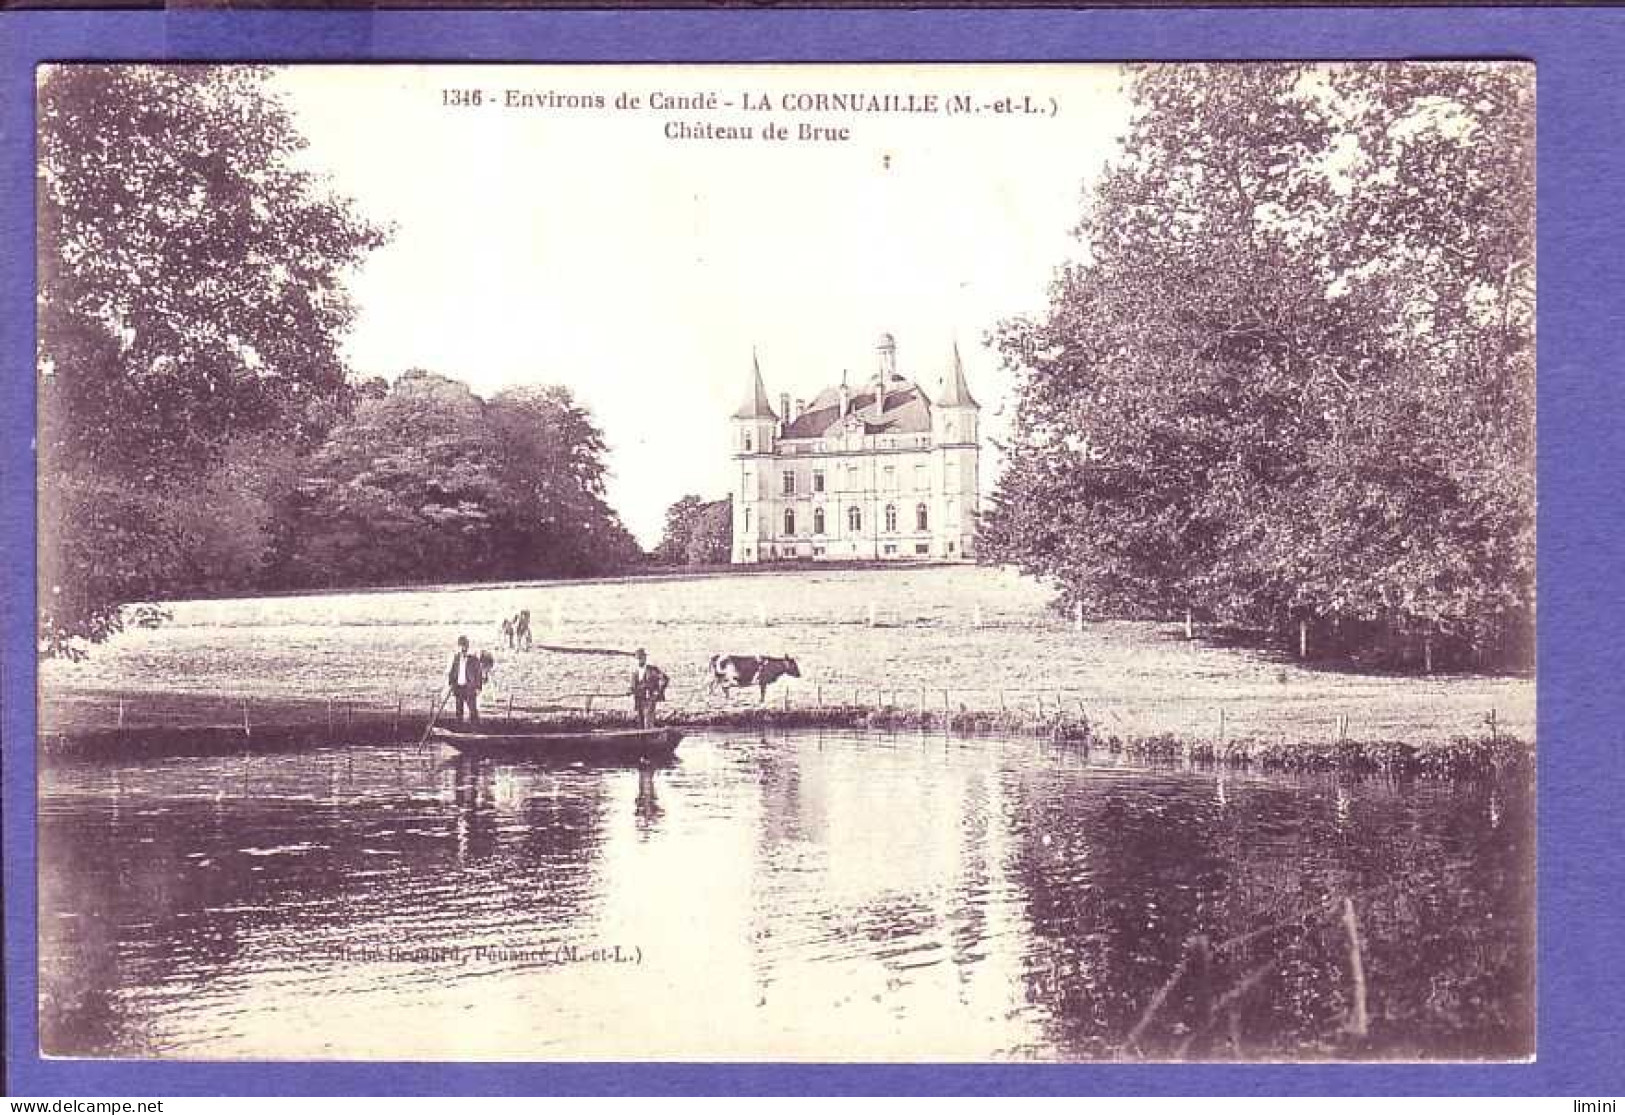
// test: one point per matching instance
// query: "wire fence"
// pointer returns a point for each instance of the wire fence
(1246, 718)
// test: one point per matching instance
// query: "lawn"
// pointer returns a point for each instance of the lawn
(975, 637)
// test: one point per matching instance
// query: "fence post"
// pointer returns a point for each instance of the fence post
(818, 696)
(246, 730)
(1358, 1021)
(121, 712)
(1001, 700)
(1221, 727)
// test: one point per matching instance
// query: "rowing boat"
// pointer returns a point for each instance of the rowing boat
(531, 741)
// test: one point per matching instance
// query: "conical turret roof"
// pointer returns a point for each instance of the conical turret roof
(956, 392)
(756, 404)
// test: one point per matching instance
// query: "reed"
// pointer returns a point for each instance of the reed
(1462, 757)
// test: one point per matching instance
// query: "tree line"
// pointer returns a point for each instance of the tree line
(1289, 386)
(199, 431)
(696, 532)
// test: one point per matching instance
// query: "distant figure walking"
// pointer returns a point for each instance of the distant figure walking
(507, 631)
(521, 630)
(648, 689)
(465, 678)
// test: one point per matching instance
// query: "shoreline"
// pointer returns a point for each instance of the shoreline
(1460, 757)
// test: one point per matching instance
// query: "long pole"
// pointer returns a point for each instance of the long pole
(429, 727)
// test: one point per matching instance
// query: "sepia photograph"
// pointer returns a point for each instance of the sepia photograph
(787, 563)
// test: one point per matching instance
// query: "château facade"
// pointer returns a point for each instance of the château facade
(872, 472)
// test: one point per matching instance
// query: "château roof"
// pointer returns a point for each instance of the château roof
(956, 392)
(907, 411)
(756, 404)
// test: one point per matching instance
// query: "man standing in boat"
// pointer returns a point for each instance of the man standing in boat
(465, 678)
(648, 690)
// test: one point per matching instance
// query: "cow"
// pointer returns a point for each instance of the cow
(735, 671)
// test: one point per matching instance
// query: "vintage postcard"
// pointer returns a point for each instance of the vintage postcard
(839, 563)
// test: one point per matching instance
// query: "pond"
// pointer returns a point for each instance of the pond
(801, 896)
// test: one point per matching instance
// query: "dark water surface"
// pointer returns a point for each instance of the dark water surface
(801, 896)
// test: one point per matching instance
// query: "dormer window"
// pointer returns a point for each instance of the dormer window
(747, 442)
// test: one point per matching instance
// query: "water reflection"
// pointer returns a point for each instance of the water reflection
(797, 896)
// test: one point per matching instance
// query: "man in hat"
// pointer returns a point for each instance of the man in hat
(648, 689)
(465, 678)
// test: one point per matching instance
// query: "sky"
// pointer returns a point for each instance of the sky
(538, 239)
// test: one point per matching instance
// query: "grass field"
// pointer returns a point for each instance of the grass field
(973, 637)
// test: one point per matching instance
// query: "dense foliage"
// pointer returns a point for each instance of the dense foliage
(1292, 380)
(197, 429)
(696, 533)
(428, 482)
(190, 312)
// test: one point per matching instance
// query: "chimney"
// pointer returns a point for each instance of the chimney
(886, 351)
(801, 405)
(784, 408)
(846, 395)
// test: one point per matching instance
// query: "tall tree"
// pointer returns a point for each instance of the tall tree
(710, 542)
(429, 482)
(407, 489)
(678, 531)
(1292, 379)
(697, 532)
(191, 299)
(553, 459)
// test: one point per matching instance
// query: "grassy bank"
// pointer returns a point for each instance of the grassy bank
(1460, 757)
(973, 644)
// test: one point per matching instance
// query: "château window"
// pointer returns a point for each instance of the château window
(922, 520)
(789, 483)
(891, 518)
(747, 441)
(818, 479)
(789, 522)
(818, 520)
(747, 519)
(854, 519)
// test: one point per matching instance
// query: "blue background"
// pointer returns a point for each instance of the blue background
(1579, 54)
